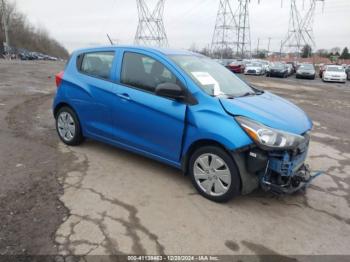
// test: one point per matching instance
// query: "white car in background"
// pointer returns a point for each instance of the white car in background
(334, 73)
(254, 68)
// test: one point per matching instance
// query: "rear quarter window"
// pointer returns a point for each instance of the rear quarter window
(98, 64)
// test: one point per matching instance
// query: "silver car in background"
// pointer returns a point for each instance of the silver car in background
(254, 68)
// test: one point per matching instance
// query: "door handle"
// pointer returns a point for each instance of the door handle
(124, 96)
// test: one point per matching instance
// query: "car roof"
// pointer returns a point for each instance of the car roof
(164, 51)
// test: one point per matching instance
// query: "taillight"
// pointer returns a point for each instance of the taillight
(59, 78)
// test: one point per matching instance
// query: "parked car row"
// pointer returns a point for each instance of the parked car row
(328, 73)
(25, 54)
(36, 56)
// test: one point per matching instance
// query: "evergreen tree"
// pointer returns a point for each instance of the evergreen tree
(306, 51)
(345, 54)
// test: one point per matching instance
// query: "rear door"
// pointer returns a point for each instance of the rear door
(142, 119)
(97, 96)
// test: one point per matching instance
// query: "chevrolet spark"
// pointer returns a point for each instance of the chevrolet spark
(187, 111)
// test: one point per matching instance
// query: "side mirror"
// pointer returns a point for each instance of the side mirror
(170, 90)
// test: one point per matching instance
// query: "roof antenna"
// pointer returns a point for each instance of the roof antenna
(110, 40)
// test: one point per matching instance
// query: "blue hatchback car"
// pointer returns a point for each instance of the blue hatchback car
(188, 111)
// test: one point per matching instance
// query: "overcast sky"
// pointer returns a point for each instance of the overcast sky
(82, 23)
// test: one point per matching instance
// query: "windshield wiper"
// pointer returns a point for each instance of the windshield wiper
(247, 94)
(259, 92)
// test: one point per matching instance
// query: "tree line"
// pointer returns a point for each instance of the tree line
(24, 35)
(332, 53)
(305, 52)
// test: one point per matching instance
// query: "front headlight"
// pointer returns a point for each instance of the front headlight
(267, 137)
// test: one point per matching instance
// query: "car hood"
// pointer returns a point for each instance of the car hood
(270, 110)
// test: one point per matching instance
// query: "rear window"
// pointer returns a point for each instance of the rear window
(97, 64)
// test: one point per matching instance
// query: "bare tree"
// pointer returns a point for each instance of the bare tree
(23, 35)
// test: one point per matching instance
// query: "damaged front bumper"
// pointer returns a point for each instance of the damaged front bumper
(286, 181)
(281, 172)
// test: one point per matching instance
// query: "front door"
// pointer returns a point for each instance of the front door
(143, 120)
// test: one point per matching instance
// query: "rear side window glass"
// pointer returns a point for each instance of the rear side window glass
(144, 72)
(97, 64)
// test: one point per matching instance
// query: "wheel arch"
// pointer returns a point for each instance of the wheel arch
(59, 106)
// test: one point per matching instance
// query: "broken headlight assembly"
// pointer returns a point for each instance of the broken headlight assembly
(269, 138)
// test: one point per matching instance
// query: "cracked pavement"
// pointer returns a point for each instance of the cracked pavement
(96, 199)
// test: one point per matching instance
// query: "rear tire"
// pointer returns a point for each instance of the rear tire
(214, 174)
(68, 127)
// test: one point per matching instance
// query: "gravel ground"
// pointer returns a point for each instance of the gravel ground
(99, 200)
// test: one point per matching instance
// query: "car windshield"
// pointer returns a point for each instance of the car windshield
(307, 67)
(335, 69)
(212, 77)
(254, 64)
(280, 66)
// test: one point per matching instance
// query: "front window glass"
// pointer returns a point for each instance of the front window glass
(279, 66)
(144, 72)
(212, 77)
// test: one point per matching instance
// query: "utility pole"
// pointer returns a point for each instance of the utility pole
(268, 46)
(281, 49)
(4, 22)
(257, 48)
(150, 29)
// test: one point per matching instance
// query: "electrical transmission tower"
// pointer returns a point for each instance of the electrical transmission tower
(150, 29)
(232, 30)
(243, 44)
(300, 29)
(308, 23)
(224, 37)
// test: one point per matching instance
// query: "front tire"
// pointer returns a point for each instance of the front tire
(214, 174)
(68, 127)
